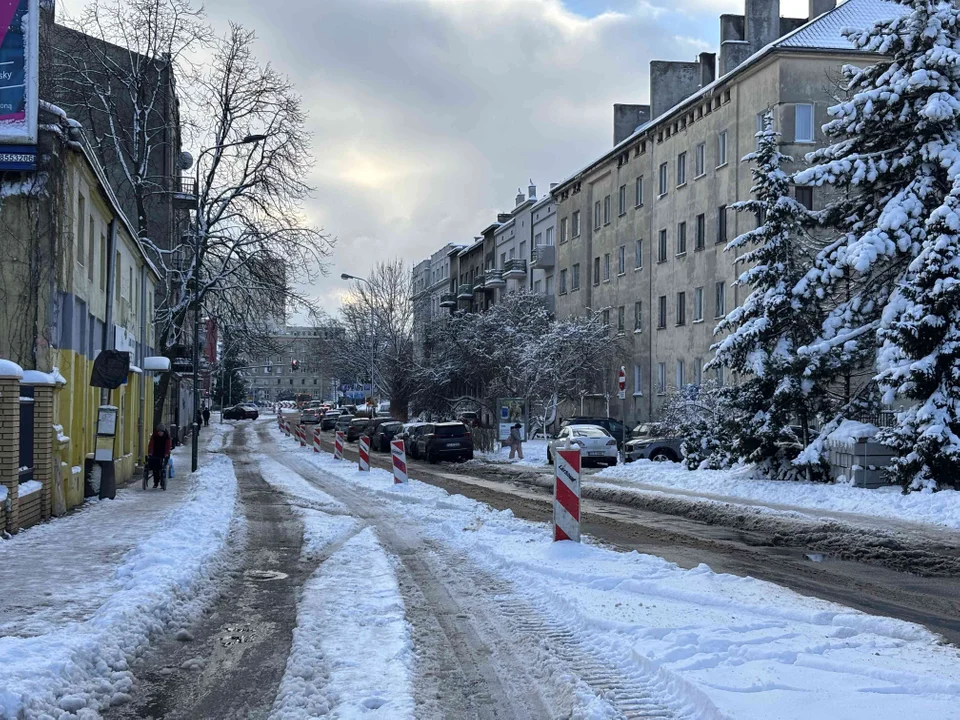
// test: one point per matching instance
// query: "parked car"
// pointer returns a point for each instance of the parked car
(356, 427)
(648, 441)
(310, 416)
(595, 443)
(445, 441)
(611, 425)
(411, 434)
(241, 412)
(469, 418)
(343, 423)
(330, 419)
(386, 432)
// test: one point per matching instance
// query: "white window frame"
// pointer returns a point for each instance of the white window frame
(701, 160)
(721, 148)
(698, 304)
(637, 381)
(681, 169)
(664, 179)
(679, 374)
(809, 133)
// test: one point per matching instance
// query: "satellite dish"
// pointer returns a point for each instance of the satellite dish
(186, 160)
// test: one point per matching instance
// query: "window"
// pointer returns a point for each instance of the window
(606, 266)
(758, 126)
(637, 385)
(548, 236)
(697, 304)
(661, 378)
(722, 149)
(640, 191)
(575, 277)
(81, 228)
(538, 287)
(803, 117)
(663, 179)
(662, 312)
(596, 215)
(701, 159)
(638, 255)
(681, 308)
(637, 316)
(596, 270)
(623, 200)
(563, 281)
(606, 210)
(621, 259)
(537, 240)
(575, 224)
(700, 232)
(90, 249)
(606, 316)
(523, 249)
(563, 230)
(679, 374)
(621, 319)
(719, 375)
(548, 286)
(681, 238)
(721, 299)
(722, 224)
(681, 169)
(805, 196)
(698, 371)
(503, 260)
(662, 246)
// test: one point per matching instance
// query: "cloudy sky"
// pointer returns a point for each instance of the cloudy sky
(428, 115)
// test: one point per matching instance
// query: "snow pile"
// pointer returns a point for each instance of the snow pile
(851, 431)
(158, 585)
(702, 644)
(10, 369)
(534, 454)
(294, 485)
(29, 488)
(738, 486)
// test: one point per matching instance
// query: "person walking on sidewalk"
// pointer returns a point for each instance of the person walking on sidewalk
(516, 442)
(206, 416)
(158, 453)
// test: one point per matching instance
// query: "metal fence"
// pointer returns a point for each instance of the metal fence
(26, 434)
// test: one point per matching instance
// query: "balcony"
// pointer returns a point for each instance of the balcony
(515, 269)
(185, 196)
(478, 284)
(465, 292)
(544, 256)
(448, 300)
(494, 279)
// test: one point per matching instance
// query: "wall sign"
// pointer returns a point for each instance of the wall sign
(19, 37)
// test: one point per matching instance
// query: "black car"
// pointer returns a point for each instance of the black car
(612, 426)
(329, 420)
(384, 432)
(240, 412)
(411, 434)
(445, 441)
(356, 428)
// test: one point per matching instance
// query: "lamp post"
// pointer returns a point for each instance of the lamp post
(196, 294)
(373, 347)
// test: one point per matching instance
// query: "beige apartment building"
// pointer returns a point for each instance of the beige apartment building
(642, 230)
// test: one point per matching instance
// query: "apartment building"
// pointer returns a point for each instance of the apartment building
(643, 229)
(432, 295)
(296, 361)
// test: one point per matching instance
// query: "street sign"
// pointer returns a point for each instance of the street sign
(622, 394)
(622, 380)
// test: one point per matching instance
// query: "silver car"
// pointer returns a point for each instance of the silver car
(596, 444)
(648, 443)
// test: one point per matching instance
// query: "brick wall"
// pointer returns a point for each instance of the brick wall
(10, 446)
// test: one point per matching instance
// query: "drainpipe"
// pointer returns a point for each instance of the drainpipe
(143, 345)
(109, 340)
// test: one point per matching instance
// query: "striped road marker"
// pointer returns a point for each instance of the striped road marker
(302, 436)
(399, 452)
(316, 439)
(566, 495)
(338, 446)
(364, 462)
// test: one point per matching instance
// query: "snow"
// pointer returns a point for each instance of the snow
(702, 644)
(3, 493)
(280, 477)
(35, 377)
(851, 431)
(157, 363)
(534, 454)
(10, 369)
(29, 488)
(61, 438)
(137, 567)
(57, 377)
(739, 486)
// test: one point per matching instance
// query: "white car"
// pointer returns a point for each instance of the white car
(596, 444)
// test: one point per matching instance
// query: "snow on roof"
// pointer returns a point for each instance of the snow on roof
(10, 369)
(35, 377)
(826, 31)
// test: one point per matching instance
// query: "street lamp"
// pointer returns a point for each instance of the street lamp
(249, 139)
(373, 347)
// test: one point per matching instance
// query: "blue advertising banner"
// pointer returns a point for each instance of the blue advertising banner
(18, 71)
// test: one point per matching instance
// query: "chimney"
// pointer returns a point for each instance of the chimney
(816, 8)
(708, 68)
(671, 82)
(626, 120)
(763, 22)
(553, 185)
(519, 196)
(531, 191)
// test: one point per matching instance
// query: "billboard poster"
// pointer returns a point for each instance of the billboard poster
(511, 411)
(19, 20)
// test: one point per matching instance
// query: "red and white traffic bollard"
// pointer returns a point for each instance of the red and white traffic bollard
(302, 436)
(566, 495)
(316, 439)
(399, 452)
(338, 446)
(364, 461)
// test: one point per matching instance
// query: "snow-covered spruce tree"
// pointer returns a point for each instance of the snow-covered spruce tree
(764, 334)
(891, 273)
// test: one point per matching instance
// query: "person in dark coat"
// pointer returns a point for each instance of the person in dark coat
(158, 452)
(516, 442)
(206, 416)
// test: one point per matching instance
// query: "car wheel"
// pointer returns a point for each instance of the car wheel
(431, 458)
(662, 455)
(470, 456)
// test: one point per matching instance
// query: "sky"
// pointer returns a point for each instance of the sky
(427, 115)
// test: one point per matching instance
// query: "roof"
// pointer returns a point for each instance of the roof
(821, 33)
(826, 31)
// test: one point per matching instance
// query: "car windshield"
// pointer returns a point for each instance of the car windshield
(591, 432)
(457, 430)
(359, 422)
